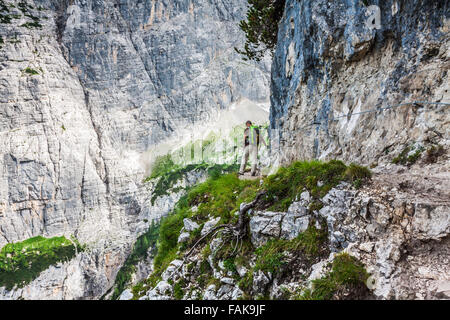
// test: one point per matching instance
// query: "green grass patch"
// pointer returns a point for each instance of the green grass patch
(30, 71)
(169, 174)
(178, 291)
(229, 264)
(168, 237)
(246, 283)
(22, 262)
(162, 165)
(357, 175)
(406, 157)
(222, 196)
(315, 176)
(315, 206)
(271, 257)
(346, 273)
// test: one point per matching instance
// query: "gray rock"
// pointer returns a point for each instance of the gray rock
(228, 281)
(114, 80)
(442, 288)
(236, 294)
(367, 247)
(190, 225)
(215, 244)
(301, 93)
(431, 222)
(295, 221)
(162, 291)
(305, 197)
(260, 282)
(210, 225)
(172, 270)
(183, 237)
(320, 269)
(126, 295)
(286, 225)
(225, 292)
(241, 270)
(265, 225)
(210, 293)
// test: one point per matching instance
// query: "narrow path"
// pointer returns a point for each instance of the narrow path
(428, 184)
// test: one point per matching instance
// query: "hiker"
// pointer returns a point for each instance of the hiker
(251, 145)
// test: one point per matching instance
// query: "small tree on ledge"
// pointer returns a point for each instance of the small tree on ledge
(261, 28)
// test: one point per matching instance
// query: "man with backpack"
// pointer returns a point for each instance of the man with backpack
(251, 145)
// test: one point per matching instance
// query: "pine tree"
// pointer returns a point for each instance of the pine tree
(261, 28)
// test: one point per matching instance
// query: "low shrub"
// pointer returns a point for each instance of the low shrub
(346, 274)
(406, 157)
(357, 174)
(271, 256)
(31, 71)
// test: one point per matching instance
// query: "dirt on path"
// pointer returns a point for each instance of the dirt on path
(420, 183)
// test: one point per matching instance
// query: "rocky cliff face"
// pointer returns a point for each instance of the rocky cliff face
(330, 63)
(86, 88)
(341, 89)
(399, 234)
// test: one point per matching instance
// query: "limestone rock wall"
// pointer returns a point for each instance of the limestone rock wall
(330, 63)
(83, 94)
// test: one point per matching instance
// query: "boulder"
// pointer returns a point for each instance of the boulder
(210, 293)
(260, 281)
(190, 225)
(184, 236)
(162, 291)
(286, 225)
(264, 226)
(209, 225)
(126, 295)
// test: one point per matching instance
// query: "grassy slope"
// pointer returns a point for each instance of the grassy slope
(22, 262)
(221, 196)
(167, 174)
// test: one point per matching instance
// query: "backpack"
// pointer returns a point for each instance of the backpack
(254, 135)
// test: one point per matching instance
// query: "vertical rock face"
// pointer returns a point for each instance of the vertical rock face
(82, 95)
(151, 67)
(331, 60)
